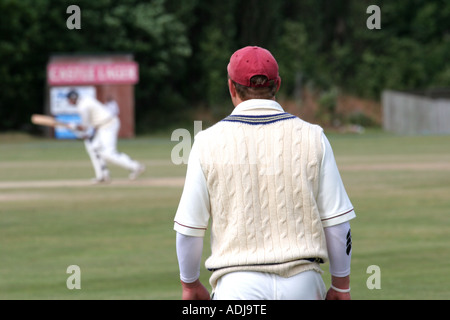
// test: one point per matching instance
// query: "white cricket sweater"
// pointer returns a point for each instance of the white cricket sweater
(262, 173)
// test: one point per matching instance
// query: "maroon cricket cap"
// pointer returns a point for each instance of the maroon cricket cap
(252, 61)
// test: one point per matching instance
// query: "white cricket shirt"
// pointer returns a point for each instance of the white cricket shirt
(93, 113)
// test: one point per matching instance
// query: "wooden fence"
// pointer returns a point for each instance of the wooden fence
(412, 113)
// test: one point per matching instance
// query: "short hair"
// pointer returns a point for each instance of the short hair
(72, 94)
(262, 88)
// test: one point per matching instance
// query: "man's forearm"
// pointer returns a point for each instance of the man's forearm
(339, 252)
(339, 249)
(189, 253)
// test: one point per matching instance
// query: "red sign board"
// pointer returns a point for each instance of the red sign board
(92, 73)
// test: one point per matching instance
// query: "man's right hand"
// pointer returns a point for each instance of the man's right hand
(194, 291)
(340, 283)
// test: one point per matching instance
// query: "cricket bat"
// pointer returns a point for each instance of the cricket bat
(48, 121)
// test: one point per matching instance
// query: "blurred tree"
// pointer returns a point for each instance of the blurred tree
(183, 48)
(19, 29)
(33, 30)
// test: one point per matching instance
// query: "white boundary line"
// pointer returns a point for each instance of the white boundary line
(151, 182)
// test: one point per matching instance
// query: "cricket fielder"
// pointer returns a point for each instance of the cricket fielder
(269, 184)
(100, 129)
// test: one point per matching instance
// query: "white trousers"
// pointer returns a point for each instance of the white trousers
(248, 285)
(103, 148)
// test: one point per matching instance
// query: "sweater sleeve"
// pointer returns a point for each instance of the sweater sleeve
(332, 200)
(193, 213)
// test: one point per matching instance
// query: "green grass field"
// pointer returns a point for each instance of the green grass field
(121, 237)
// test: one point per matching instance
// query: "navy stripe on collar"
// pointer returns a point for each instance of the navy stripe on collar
(259, 119)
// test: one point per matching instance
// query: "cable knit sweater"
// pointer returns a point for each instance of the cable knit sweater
(262, 175)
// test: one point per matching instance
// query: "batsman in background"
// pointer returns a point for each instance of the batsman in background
(269, 183)
(100, 129)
